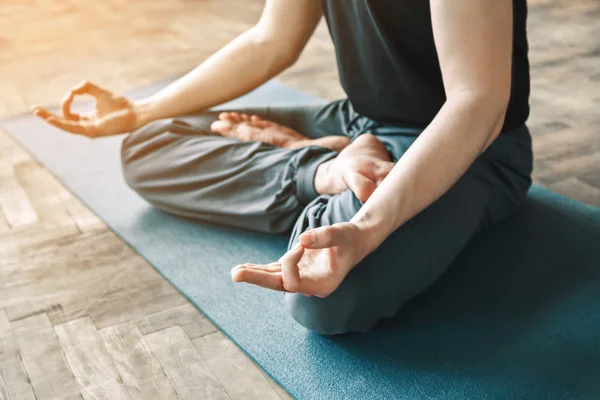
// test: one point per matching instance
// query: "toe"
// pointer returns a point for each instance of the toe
(235, 116)
(263, 124)
(246, 117)
(226, 116)
(255, 118)
(221, 126)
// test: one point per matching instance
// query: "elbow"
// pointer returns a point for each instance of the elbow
(288, 58)
(488, 102)
(494, 112)
(497, 101)
(487, 106)
(498, 105)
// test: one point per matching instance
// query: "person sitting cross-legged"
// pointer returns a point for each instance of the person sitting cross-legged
(380, 191)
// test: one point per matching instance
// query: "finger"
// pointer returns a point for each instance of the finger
(65, 106)
(42, 112)
(362, 186)
(324, 237)
(339, 234)
(78, 127)
(383, 171)
(264, 279)
(289, 267)
(85, 117)
(273, 267)
(83, 87)
(87, 87)
(58, 121)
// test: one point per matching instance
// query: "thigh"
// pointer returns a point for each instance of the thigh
(176, 167)
(312, 121)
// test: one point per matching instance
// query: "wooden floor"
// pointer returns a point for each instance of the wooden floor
(81, 314)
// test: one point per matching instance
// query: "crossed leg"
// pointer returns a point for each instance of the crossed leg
(182, 167)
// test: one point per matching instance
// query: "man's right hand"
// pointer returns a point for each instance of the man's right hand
(113, 114)
(360, 167)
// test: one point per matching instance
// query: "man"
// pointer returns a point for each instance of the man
(382, 190)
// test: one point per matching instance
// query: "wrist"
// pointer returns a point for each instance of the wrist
(373, 231)
(143, 112)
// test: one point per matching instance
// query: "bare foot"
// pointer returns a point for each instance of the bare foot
(250, 128)
(360, 167)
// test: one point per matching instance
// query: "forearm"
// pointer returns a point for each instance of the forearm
(463, 128)
(242, 65)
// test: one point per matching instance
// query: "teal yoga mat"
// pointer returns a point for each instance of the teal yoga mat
(517, 316)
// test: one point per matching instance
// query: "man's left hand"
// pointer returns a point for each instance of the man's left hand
(316, 266)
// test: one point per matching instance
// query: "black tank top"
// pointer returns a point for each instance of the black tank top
(389, 66)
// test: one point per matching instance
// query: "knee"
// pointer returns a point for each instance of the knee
(137, 150)
(130, 167)
(326, 316)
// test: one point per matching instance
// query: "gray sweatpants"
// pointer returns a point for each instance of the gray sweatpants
(183, 168)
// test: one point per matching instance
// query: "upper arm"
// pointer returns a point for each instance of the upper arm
(288, 24)
(474, 45)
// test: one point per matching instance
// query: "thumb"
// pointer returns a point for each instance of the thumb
(326, 236)
(289, 268)
(361, 186)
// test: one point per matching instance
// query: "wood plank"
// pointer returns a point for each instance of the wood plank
(14, 383)
(83, 217)
(137, 290)
(106, 280)
(7, 340)
(43, 194)
(566, 143)
(4, 227)
(90, 363)
(283, 394)
(199, 328)
(32, 237)
(186, 316)
(43, 359)
(10, 152)
(241, 378)
(110, 390)
(190, 375)
(103, 247)
(14, 202)
(580, 165)
(35, 286)
(592, 178)
(140, 371)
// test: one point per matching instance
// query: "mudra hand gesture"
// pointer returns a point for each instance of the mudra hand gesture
(113, 114)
